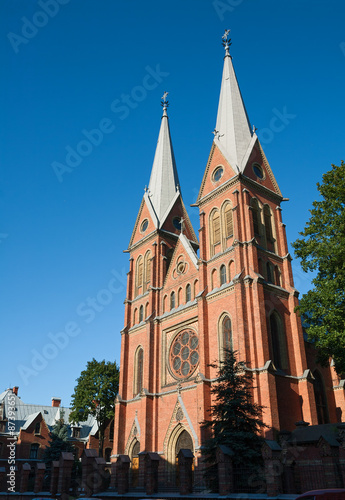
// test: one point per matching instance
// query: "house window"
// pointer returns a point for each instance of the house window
(222, 274)
(278, 342)
(172, 300)
(76, 432)
(38, 428)
(34, 450)
(188, 293)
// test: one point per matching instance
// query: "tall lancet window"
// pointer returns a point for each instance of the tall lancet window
(228, 229)
(147, 269)
(215, 232)
(224, 335)
(320, 399)
(139, 369)
(268, 228)
(139, 276)
(255, 216)
(278, 342)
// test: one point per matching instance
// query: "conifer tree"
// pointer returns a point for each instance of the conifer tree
(235, 420)
(59, 442)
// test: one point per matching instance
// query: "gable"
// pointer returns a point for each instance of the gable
(144, 215)
(184, 262)
(209, 182)
(258, 159)
(179, 211)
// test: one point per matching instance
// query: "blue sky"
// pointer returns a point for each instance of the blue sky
(64, 229)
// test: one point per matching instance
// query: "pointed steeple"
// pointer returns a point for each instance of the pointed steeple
(164, 187)
(233, 134)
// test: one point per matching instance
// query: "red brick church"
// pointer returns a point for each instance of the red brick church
(190, 295)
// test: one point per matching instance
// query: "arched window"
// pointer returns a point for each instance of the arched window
(188, 293)
(256, 216)
(222, 274)
(34, 450)
(179, 297)
(135, 316)
(147, 269)
(268, 228)
(139, 368)
(277, 276)
(146, 310)
(320, 398)
(228, 229)
(215, 231)
(224, 335)
(139, 276)
(165, 298)
(214, 281)
(278, 342)
(195, 291)
(269, 272)
(172, 300)
(231, 270)
(141, 314)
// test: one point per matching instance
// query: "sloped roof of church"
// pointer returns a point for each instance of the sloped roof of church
(233, 133)
(164, 183)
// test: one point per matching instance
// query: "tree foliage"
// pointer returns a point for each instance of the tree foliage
(322, 249)
(94, 394)
(235, 420)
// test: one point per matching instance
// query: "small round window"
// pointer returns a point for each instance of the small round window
(144, 225)
(218, 174)
(177, 223)
(258, 171)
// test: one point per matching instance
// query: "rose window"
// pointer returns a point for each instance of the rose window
(184, 354)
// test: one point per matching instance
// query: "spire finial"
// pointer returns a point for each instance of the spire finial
(226, 42)
(165, 103)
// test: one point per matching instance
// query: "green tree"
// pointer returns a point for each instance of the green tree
(322, 250)
(235, 420)
(59, 442)
(94, 394)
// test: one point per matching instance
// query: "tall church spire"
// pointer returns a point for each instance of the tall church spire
(164, 187)
(233, 134)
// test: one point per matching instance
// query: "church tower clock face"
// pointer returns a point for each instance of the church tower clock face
(184, 354)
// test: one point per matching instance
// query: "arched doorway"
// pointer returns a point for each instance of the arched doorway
(184, 441)
(134, 456)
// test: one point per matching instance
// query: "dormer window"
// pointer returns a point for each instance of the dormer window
(76, 432)
(38, 428)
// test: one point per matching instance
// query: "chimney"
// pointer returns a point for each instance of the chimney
(15, 390)
(56, 402)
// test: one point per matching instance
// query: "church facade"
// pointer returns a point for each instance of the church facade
(191, 295)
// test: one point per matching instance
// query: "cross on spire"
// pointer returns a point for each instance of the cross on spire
(226, 42)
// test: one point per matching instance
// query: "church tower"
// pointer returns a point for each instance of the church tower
(185, 304)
